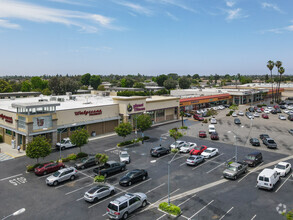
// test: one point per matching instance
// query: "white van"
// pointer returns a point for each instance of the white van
(267, 179)
(212, 128)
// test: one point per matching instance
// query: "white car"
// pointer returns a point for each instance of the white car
(178, 144)
(210, 152)
(256, 114)
(124, 157)
(282, 117)
(186, 148)
(213, 121)
(267, 111)
(290, 107)
(270, 108)
(234, 114)
(212, 129)
(283, 168)
(286, 111)
(240, 113)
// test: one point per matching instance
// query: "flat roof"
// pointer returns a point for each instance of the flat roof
(19, 93)
(205, 97)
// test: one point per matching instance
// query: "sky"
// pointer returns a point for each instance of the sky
(149, 37)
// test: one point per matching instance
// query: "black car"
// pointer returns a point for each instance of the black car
(253, 159)
(251, 109)
(282, 107)
(254, 142)
(278, 110)
(274, 111)
(290, 117)
(263, 136)
(237, 121)
(86, 162)
(159, 151)
(133, 176)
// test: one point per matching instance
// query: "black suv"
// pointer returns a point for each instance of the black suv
(86, 162)
(253, 159)
(254, 142)
(237, 121)
(158, 151)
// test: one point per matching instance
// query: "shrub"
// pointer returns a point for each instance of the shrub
(143, 138)
(30, 168)
(65, 159)
(1, 139)
(171, 209)
(174, 129)
(81, 155)
(183, 127)
(125, 143)
(174, 150)
(231, 112)
(205, 121)
(71, 156)
(99, 179)
(228, 114)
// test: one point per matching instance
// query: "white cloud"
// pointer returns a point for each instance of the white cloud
(69, 2)
(235, 14)
(174, 3)
(230, 3)
(173, 17)
(136, 8)
(279, 30)
(7, 24)
(272, 6)
(35, 13)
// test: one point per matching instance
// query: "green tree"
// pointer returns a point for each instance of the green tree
(182, 115)
(101, 88)
(139, 85)
(195, 76)
(281, 71)
(174, 133)
(79, 137)
(37, 83)
(217, 77)
(38, 147)
(288, 215)
(123, 129)
(271, 65)
(95, 81)
(126, 82)
(46, 91)
(85, 79)
(161, 79)
(211, 112)
(15, 85)
(184, 82)
(102, 159)
(26, 86)
(4, 86)
(173, 76)
(170, 84)
(144, 122)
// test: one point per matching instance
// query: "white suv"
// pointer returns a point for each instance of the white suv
(61, 175)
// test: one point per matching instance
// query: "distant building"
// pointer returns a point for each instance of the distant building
(14, 95)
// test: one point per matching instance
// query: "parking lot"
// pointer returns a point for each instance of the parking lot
(200, 191)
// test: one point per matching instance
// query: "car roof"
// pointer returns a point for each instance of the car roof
(211, 148)
(267, 172)
(123, 152)
(235, 164)
(67, 168)
(268, 139)
(283, 163)
(123, 198)
(111, 162)
(254, 139)
(254, 153)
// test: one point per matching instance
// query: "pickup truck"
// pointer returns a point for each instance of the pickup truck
(270, 143)
(65, 143)
(234, 170)
(109, 168)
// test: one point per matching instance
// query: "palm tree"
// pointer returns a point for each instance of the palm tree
(281, 72)
(278, 64)
(182, 115)
(271, 65)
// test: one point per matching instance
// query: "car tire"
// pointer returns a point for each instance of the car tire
(96, 199)
(167, 152)
(143, 178)
(125, 215)
(123, 168)
(144, 203)
(72, 177)
(159, 155)
(129, 183)
(82, 167)
(105, 175)
(62, 148)
(112, 193)
(44, 173)
(55, 183)
(235, 177)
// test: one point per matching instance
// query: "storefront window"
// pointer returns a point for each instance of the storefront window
(160, 113)
(8, 132)
(21, 122)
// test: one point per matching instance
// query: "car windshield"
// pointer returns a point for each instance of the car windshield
(84, 160)
(40, 166)
(196, 148)
(130, 174)
(208, 151)
(232, 168)
(94, 189)
(63, 141)
(113, 207)
(249, 157)
(124, 155)
(191, 158)
(271, 141)
(107, 165)
(279, 166)
(56, 174)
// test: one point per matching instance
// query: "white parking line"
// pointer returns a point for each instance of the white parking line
(201, 209)
(78, 189)
(164, 156)
(11, 177)
(219, 165)
(179, 157)
(251, 171)
(283, 183)
(110, 149)
(226, 213)
(161, 216)
(138, 184)
(155, 188)
(57, 187)
(207, 162)
(45, 176)
(116, 194)
(115, 174)
(182, 164)
(253, 217)
(186, 200)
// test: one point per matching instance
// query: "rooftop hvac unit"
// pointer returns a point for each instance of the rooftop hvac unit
(43, 100)
(68, 93)
(53, 99)
(12, 97)
(72, 98)
(60, 99)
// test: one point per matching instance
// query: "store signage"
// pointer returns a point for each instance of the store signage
(6, 118)
(138, 107)
(44, 122)
(90, 113)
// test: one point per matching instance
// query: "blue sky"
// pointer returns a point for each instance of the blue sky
(144, 36)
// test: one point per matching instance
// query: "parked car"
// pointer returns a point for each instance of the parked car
(98, 192)
(109, 168)
(124, 157)
(267, 111)
(249, 115)
(234, 114)
(178, 144)
(210, 152)
(291, 131)
(198, 117)
(258, 110)
(282, 117)
(267, 179)
(241, 113)
(237, 121)
(62, 175)
(202, 134)
(133, 177)
(290, 117)
(45, 168)
(194, 160)
(254, 142)
(234, 170)
(263, 136)
(214, 136)
(186, 114)
(256, 115)
(251, 109)
(159, 151)
(253, 159)
(65, 143)
(270, 143)
(273, 111)
(283, 168)
(121, 207)
(212, 129)
(186, 148)
(213, 121)
(198, 150)
(86, 162)
(205, 114)
(278, 110)
(282, 107)
(265, 116)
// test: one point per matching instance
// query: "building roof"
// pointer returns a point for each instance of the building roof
(205, 97)
(6, 94)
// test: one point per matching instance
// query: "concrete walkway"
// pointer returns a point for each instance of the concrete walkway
(8, 150)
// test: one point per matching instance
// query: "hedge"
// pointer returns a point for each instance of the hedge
(122, 144)
(174, 150)
(81, 155)
(72, 156)
(183, 127)
(30, 168)
(99, 179)
(172, 209)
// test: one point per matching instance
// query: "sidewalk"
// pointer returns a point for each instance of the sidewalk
(8, 150)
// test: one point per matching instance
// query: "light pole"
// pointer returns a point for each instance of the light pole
(235, 143)
(18, 212)
(169, 163)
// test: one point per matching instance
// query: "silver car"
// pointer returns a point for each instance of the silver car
(124, 157)
(195, 160)
(98, 192)
(59, 176)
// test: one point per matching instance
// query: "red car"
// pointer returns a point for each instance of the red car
(276, 106)
(197, 150)
(45, 168)
(262, 109)
(214, 136)
(198, 117)
(265, 116)
(202, 134)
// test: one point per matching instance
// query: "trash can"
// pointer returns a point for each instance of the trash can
(13, 144)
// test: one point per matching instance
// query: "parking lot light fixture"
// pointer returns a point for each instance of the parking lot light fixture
(235, 144)
(18, 212)
(169, 163)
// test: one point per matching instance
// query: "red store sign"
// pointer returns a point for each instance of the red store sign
(138, 107)
(90, 113)
(6, 118)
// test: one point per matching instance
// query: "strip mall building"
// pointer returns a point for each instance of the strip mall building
(57, 117)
